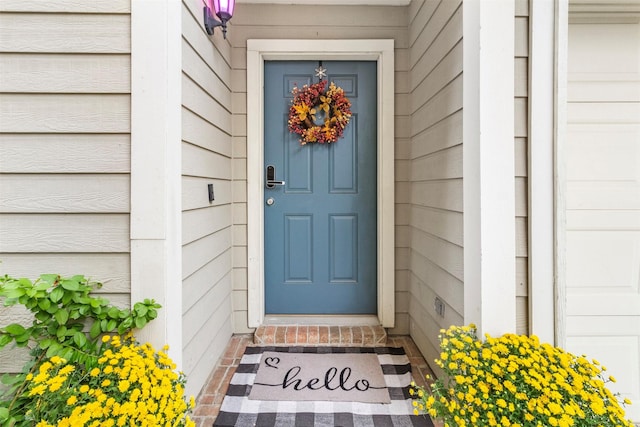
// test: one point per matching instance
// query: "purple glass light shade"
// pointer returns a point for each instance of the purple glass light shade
(223, 8)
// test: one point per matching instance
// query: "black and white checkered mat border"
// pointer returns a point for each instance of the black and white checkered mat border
(238, 410)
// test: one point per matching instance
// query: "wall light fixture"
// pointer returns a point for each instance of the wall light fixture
(223, 10)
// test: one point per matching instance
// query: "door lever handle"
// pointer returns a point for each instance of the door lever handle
(271, 181)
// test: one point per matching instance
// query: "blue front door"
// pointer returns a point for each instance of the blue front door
(321, 225)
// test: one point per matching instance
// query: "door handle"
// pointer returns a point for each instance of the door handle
(271, 181)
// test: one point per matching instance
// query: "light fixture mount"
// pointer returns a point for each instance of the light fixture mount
(223, 9)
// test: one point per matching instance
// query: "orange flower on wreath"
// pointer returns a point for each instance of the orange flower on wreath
(312, 101)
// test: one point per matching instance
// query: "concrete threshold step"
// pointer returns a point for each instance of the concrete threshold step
(367, 336)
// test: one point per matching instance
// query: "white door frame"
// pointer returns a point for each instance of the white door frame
(381, 51)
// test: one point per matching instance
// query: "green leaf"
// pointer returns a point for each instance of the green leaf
(10, 283)
(114, 312)
(56, 294)
(95, 329)
(61, 316)
(141, 309)
(68, 354)
(44, 303)
(46, 343)
(67, 297)
(80, 339)
(125, 325)
(70, 285)
(50, 278)
(61, 332)
(13, 293)
(4, 414)
(54, 349)
(152, 314)
(10, 379)
(15, 329)
(5, 339)
(42, 286)
(140, 322)
(23, 339)
(51, 328)
(111, 325)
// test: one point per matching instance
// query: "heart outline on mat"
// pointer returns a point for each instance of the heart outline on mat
(269, 360)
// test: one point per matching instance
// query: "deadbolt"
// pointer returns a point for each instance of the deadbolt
(271, 181)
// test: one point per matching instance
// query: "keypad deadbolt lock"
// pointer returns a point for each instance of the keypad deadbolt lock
(271, 181)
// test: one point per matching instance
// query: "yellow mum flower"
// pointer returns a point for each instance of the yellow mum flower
(123, 385)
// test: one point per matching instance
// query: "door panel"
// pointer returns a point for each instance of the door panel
(321, 229)
(603, 200)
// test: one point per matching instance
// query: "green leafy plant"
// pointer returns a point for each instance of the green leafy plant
(516, 381)
(68, 322)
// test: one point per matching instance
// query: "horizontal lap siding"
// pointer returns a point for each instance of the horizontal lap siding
(261, 21)
(436, 221)
(64, 144)
(206, 227)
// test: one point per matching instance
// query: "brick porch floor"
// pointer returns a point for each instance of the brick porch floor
(209, 401)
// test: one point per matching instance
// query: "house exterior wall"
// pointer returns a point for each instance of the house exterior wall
(207, 232)
(64, 145)
(257, 21)
(436, 204)
(69, 100)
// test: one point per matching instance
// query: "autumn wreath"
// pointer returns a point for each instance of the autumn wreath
(331, 106)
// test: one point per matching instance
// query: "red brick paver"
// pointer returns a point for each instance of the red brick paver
(320, 335)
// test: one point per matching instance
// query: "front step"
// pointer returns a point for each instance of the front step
(368, 336)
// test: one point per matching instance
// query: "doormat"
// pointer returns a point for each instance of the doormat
(240, 411)
(337, 377)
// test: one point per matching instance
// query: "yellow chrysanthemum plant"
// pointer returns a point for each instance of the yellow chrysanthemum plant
(86, 369)
(516, 381)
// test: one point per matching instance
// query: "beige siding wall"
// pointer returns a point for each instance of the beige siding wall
(257, 21)
(436, 223)
(207, 232)
(521, 160)
(64, 144)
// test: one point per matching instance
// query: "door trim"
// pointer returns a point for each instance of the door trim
(381, 51)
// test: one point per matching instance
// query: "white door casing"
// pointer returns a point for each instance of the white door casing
(603, 197)
(381, 51)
